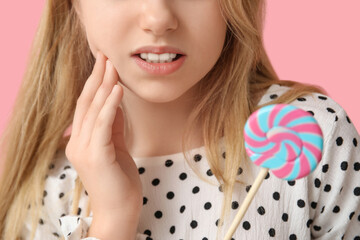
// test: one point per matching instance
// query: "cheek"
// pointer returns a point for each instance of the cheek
(106, 35)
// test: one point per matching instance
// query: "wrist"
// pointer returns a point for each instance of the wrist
(114, 226)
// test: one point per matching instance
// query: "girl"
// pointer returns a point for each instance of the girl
(157, 93)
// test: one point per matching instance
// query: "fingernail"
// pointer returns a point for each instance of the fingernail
(108, 63)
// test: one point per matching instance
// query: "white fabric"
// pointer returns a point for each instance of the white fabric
(180, 205)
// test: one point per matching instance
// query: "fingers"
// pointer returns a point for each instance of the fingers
(98, 102)
(102, 133)
(88, 93)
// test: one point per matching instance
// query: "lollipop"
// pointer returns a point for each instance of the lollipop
(283, 138)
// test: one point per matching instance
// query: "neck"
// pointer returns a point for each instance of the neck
(156, 129)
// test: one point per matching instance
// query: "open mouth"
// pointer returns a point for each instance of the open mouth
(178, 56)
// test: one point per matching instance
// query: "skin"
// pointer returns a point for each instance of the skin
(98, 145)
(117, 28)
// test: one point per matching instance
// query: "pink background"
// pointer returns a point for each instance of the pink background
(308, 41)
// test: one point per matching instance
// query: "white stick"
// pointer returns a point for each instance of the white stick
(245, 205)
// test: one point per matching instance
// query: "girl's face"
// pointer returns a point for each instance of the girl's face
(120, 27)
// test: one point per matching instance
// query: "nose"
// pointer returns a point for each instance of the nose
(157, 17)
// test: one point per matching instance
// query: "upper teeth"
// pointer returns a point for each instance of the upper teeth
(153, 57)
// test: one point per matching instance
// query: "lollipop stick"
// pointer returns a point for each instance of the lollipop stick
(245, 205)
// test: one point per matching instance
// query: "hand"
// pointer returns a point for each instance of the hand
(97, 147)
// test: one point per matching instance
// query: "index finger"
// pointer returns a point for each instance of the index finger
(88, 93)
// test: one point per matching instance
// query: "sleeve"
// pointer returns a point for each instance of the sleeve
(55, 221)
(74, 228)
(336, 186)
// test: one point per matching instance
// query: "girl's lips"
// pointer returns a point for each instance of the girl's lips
(159, 68)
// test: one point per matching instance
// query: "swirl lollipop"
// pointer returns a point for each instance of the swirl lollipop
(283, 138)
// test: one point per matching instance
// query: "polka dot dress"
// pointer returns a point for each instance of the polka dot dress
(179, 205)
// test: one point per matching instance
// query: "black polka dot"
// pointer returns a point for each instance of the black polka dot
(330, 110)
(267, 175)
(317, 183)
(86, 193)
(285, 217)
(357, 191)
(246, 225)
(336, 209)
(301, 203)
(325, 168)
(61, 195)
(79, 211)
(44, 193)
(207, 206)
(67, 167)
(141, 170)
(312, 113)
(217, 222)
(169, 163)
(357, 166)
(301, 99)
(322, 209)
(351, 215)
(182, 209)
(51, 166)
(145, 200)
(322, 97)
(248, 188)
(62, 176)
(261, 210)
(336, 118)
(309, 222)
(327, 188)
(273, 96)
(209, 173)
(221, 188)
(193, 224)
(291, 183)
(355, 142)
(357, 238)
(197, 157)
(359, 218)
(170, 195)
(56, 234)
(317, 228)
(348, 119)
(147, 232)
(234, 205)
(155, 182)
(276, 196)
(158, 214)
(344, 166)
(313, 205)
(172, 229)
(195, 190)
(292, 237)
(224, 155)
(240, 170)
(339, 141)
(272, 232)
(183, 176)
(41, 221)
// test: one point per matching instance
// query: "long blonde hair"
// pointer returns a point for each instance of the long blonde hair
(61, 61)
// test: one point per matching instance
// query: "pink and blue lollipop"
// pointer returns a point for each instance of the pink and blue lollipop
(285, 139)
